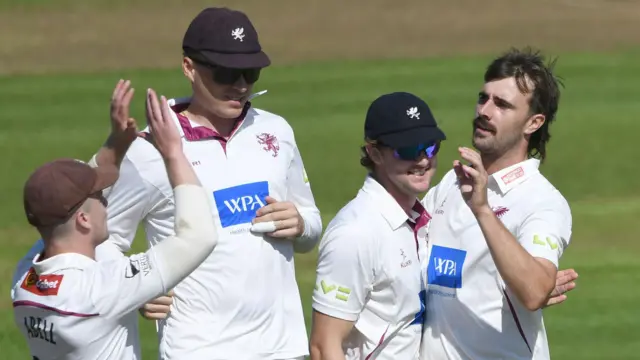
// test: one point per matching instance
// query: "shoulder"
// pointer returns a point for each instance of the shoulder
(354, 223)
(548, 197)
(142, 165)
(271, 121)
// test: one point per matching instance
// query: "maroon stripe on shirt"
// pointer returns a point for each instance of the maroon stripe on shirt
(515, 318)
(45, 307)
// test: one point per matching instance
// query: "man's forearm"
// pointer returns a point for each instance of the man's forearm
(112, 152)
(529, 280)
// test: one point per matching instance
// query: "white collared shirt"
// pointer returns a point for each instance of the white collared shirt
(243, 302)
(471, 314)
(70, 307)
(369, 273)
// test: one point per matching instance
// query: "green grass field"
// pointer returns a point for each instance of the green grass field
(591, 158)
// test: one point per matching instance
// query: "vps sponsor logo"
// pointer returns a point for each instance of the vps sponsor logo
(42, 285)
(238, 205)
(445, 267)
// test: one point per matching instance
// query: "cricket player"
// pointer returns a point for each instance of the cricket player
(368, 301)
(243, 302)
(499, 227)
(67, 305)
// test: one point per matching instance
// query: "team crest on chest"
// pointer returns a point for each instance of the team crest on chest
(269, 142)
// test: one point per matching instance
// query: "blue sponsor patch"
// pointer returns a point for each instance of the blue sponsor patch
(238, 205)
(445, 267)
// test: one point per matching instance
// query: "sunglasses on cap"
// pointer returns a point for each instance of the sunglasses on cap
(228, 76)
(412, 153)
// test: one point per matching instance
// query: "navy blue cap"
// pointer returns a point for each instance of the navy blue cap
(401, 119)
(224, 37)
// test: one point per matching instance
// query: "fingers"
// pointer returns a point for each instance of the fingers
(273, 206)
(457, 168)
(472, 157)
(565, 288)
(154, 106)
(158, 308)
(117, 90)
(556, 300)
(275, 214)
(284, 233)
(164, 111)
(566, 276)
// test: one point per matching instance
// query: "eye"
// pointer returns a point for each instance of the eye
(482, 98)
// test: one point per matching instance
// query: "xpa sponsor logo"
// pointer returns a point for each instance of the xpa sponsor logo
(43, 285)
(445, 267)
(238, 205)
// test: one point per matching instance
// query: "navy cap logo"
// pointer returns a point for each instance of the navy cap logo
(413, 113)
(238, 34)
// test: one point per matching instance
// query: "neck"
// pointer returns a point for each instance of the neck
(494, 163)
(201, 116)
(405, 201)
(59, 246)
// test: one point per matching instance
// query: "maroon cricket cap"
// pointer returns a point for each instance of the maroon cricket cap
(224, 37)
(58, 188)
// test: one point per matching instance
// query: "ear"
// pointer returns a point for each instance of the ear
(374, 153)
(534, 123)
(82, 220)
(188, 68)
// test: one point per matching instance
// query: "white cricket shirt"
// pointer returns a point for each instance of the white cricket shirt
(243, 302)
(369, 273)
(71, 307)
(471, 314)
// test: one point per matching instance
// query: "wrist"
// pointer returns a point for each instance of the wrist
(118, 143)
(174, 156)
(483, 211)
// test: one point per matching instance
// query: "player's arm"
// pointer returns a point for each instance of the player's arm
(528, 271)
(299, 192)
(152, 273)
(296, 217)
(344, 278)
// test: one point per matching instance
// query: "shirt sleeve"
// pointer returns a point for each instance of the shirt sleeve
(546, 231)
(130, 199)
(345, 273)
(299, 192)
(121, 286)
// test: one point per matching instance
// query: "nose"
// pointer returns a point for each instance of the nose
(484, 109)
(422, 160)
(241, 84)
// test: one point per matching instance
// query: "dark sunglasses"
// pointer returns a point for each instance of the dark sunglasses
(412, 153)
(228, 76)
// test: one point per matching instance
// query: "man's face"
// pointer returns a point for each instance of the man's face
(502, 114)
(409, 177)
(221, 91)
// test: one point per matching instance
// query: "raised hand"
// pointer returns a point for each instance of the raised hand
(123, 127)
(164, 132)
(472, 179)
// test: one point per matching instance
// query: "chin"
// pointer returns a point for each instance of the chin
(419, 184)
(229, 112)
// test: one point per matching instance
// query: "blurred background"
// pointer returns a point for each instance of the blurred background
(59, 62)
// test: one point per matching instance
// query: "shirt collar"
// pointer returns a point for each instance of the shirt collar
(514, 175)
(60, 262)
(388, 206)
(192, 131)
